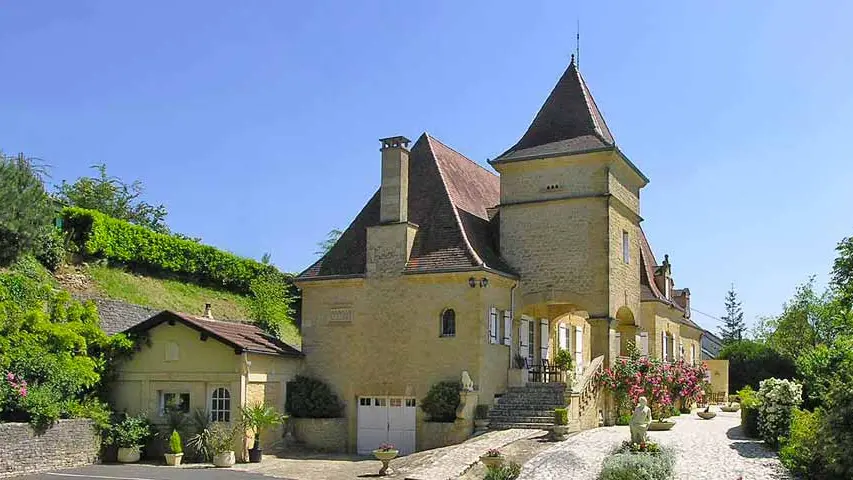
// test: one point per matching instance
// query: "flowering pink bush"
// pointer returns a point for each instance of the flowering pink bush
(661, 383)
(17, 384)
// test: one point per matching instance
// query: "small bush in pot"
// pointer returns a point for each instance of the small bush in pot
(441, 402)
(749, 404)
(561, 424)
(129, 434)
(175, 450)
(221, 440)
(492, 458)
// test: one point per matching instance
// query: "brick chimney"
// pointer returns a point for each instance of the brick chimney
(394, 193)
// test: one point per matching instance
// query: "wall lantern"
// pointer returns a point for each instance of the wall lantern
(472, 282)
(484, 282)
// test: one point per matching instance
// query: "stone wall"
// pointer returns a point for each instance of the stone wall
(326, 434)
(69, 443)
(437, 434)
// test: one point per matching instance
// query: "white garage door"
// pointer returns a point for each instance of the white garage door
(386, 420)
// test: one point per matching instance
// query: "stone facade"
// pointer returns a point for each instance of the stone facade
(67, 444)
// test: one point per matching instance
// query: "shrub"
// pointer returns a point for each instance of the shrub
(778, 400)
(624, 419)
(50, 247)
(100, 235)
(801, 450)
(441, 402)
(563, 360)
(128, 431)
(311, 398)
(749, 403)
(175, 443)
(837, 432)
(222, 437)
(750, 362)
(510, 471)
(561, 416)
(639, 466)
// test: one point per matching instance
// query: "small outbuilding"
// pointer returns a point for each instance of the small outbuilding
(200, 363)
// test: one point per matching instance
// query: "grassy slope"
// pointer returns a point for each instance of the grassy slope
(174, 295)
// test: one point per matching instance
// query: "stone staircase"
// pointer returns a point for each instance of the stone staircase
(531, 406)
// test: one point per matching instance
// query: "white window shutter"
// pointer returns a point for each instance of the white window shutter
(664, 354)
(644, 344)
(563, 337)
(617, 343)
(507, 327)
(543, 338)
(579, 349)
(523, 332)
(493, 325)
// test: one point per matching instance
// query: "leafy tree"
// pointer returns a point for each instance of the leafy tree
(25, 210)
(751, 362)
(327, 244)
(842, 271)
(820, 367)
(807, 320)
(266, 258)
(734, 327)
(114, 197)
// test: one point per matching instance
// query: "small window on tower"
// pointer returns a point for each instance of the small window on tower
(626, 247)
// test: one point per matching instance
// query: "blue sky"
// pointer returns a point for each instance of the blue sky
(256, 123)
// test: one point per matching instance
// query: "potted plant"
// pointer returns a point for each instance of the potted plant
(128, 434)
(560, 430)
(256, 418)
(706, 414)
(563, 361)
(385, 453)
(481, 417)
(175, 450)
(517, 375)
(221, 442)
(493, 458)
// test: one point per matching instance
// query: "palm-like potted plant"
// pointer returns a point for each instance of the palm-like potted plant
(256, 418)
(222, 444)
(129, 434)
(175, 450)
(385, 453)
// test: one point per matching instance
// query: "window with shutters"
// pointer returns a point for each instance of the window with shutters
(507, 331)
(448, 323)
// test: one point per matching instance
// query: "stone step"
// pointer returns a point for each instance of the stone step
(527, 412)
(527, 426)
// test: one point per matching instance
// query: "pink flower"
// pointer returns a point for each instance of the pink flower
(23, 391)
(10, 377)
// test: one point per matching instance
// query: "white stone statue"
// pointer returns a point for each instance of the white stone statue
(467, 383)
(640, 421)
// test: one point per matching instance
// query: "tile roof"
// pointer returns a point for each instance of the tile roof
(649, 291)
(117, 316)
(449, 199)
(243, 337)
(568, 122)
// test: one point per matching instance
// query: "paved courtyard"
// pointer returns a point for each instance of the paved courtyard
(706, 450)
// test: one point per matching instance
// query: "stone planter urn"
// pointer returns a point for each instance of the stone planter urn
(730, 408)
(173, 459)
(706, 415)
(660, 425)
(559, 432)
(128, 454)
(224, 459)
(517, 377)
(492, 461)
(385, 456)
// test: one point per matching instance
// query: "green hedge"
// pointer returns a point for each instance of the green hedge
(102, 236)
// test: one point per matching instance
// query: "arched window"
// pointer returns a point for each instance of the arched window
(448, 323)
(220, 405)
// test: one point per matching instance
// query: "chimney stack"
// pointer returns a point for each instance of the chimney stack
(394, 193)
(208, 312)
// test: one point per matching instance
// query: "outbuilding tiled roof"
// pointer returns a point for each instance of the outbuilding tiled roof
(449, 198)
(568, 122)
(117, 316)
(243, 337)
(649, 290)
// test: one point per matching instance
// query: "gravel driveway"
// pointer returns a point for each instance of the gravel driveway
(706, 450)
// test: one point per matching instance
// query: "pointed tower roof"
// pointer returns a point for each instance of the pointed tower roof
(568, 122)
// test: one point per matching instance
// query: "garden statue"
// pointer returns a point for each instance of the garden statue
(640, 421)
(467, 383)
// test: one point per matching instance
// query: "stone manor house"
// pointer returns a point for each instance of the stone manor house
(451, 268)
